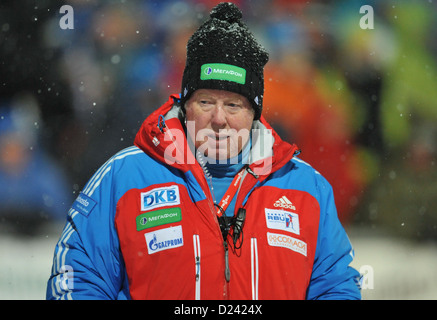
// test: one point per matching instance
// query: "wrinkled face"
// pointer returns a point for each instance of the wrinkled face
(219, 122)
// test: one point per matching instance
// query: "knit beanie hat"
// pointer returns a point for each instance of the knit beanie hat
(223, 54)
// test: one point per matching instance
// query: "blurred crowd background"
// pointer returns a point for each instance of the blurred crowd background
(360, 103)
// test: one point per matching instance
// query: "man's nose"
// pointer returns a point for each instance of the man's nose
(218, 117)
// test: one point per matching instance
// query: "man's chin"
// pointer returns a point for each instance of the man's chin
(221, 155)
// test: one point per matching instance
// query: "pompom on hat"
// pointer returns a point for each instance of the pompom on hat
(224, 55)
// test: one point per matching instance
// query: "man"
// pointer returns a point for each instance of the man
(210, 203)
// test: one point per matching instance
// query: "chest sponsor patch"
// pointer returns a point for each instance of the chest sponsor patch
(284, 241)
(282, 220)
(160, 197)
(158, 218)
(164, 239)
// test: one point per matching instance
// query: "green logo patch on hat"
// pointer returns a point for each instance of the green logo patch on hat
(221, 71)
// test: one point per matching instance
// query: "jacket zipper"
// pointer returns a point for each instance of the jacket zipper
(254, 271)
(212, 208)
(227, 270)
(226, 253)
(196, 244)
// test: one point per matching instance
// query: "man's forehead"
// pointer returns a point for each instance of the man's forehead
(218, 94)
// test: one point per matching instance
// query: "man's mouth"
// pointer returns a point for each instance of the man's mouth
(218, 137)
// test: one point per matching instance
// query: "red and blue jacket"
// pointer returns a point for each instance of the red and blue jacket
(145, 227)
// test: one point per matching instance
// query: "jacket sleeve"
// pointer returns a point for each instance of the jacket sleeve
(332, 277)
(87, 262)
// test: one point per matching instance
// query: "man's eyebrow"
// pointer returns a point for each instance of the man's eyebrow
(234, 99)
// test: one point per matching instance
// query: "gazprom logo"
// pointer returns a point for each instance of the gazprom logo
(164, 239)
(160, 197)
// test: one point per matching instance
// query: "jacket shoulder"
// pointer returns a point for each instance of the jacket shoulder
(118, 165)
(299, 175)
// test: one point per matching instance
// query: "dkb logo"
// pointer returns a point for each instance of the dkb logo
(160, 197)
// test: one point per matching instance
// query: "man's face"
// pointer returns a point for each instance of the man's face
(219, 122)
